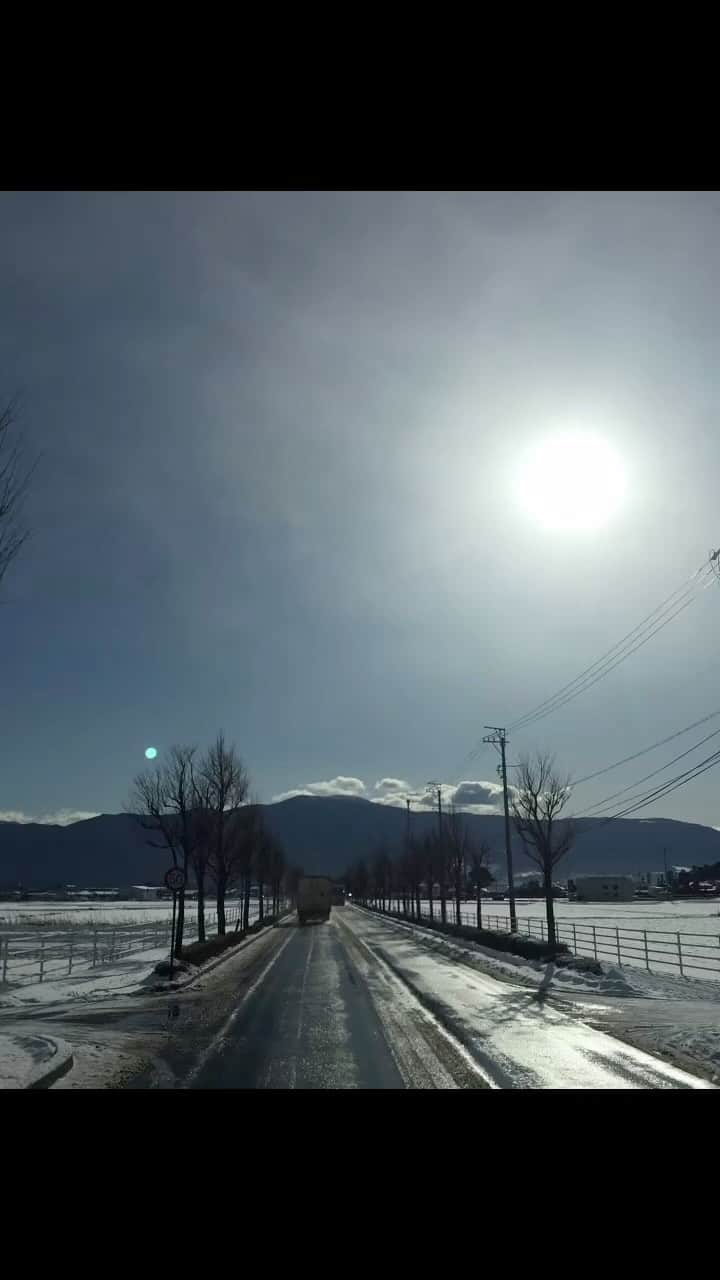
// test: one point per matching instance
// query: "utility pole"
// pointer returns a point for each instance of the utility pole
(441, 855)
(498, 738)
(407, 891)
(438, 788)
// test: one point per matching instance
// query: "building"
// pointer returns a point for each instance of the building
(606, 888)
(148, 892)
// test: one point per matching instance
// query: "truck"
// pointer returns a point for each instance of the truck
(314, 898)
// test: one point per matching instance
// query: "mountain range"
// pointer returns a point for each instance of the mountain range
(323, 835)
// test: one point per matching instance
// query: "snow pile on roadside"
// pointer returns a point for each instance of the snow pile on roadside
(121, 978)
(16, 1061)
(675, 1017)
(31, 1061)
(625, 983)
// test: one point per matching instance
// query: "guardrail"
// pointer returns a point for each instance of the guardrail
(651, 949)
(26, 959)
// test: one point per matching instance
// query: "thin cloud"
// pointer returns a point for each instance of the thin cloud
(63, 817)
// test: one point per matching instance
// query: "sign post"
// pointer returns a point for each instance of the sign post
(174, 880)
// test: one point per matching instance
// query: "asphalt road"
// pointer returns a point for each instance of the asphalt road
(354, 1003)
(322, 1015)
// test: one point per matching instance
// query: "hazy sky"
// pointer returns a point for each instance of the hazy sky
(281, 437)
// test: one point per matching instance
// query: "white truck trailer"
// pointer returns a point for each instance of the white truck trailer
(314, 898)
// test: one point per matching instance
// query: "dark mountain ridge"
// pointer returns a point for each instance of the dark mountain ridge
(324, 834)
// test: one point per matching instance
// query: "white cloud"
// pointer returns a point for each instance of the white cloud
(63, 817)
(470, 796)
(390, 786)
(340, 786)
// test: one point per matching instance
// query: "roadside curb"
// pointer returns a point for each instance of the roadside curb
(59, 1065)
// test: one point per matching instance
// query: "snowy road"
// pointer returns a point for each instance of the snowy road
(518, 1037)
(357, 1003)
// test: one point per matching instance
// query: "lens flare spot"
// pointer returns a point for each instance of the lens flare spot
(150, 753)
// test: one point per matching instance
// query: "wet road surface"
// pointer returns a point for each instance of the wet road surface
(353, 1003)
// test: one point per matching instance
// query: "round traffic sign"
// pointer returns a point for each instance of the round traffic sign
(175, 879)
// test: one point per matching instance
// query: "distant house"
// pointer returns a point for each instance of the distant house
(601, 889)
(148, 892)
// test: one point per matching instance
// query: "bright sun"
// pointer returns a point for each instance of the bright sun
(571, 481)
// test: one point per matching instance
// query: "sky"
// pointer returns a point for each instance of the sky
(284, 487)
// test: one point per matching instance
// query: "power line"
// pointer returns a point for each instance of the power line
(612, 659)
(601, 804)
(653, 746)
(669, 601)
(657, 793)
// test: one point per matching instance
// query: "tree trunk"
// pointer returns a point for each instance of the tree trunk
(430, 891)
(180, 929)
(417, 900)
(478, 893)
(246, 905)
(180, 925)
(220, 898)
(458, 896)
(200, 877)
(443, 900)
(549, 905)
(261, 900)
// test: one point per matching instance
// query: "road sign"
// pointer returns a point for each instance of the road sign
(175, 879)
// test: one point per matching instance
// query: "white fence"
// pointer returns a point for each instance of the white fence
(26, 958)
(654, 949)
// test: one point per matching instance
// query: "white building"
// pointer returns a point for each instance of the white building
(147, 892)
(606, 888)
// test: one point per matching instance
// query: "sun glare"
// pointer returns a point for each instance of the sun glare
(571, 481)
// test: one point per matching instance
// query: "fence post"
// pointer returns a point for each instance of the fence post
(574, 938)
(70, 956)
(42, 958)
(5, 958)
(617, 944)
(594, 941)
(542, 931)
(680, 956)
(94, 948)
(112, 945)
(647, 958)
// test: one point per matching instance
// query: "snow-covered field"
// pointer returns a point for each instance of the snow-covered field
(96, 914)
(53, 952)
(121, 977)
(664, 937)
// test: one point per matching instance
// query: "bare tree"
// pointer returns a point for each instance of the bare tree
(14, 481)
(480, 875)
(429, 848)
(164, 801)
(225, 787)
(277, 871)
(246, 832)
(457, 850)
(540, 794)
(264, 851)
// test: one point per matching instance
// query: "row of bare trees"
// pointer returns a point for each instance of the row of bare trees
(451, 860)
(198, 807)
